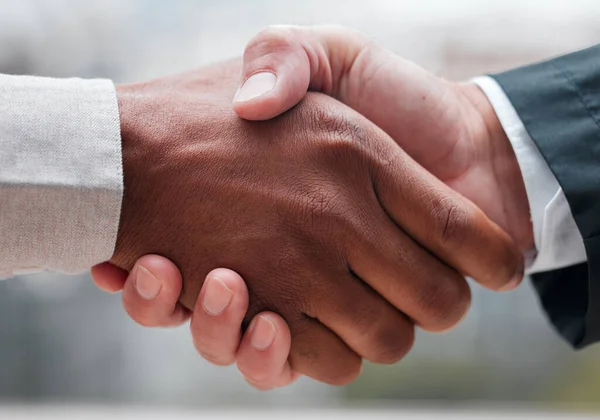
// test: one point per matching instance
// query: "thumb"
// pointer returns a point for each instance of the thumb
(282, 63)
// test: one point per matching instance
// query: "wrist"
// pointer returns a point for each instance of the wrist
(502, 161)
(132, 155)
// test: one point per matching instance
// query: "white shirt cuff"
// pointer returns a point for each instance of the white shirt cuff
(61, 176)
(558, 241)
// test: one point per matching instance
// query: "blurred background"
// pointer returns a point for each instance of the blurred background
(62, 341)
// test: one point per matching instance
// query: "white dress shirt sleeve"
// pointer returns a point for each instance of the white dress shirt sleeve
(558, 241)
(61, 176)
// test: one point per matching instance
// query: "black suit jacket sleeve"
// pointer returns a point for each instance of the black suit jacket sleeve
(559, 104)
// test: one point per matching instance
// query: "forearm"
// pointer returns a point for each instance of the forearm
(60, 173)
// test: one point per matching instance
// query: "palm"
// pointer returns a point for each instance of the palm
(436, 123)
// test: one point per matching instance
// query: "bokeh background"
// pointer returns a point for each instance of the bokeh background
(62, 341)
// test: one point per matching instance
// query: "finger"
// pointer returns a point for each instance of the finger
(108, 277)
(262, 387)
(262, 357)
(282, 62)
(433, 295)
(321, 355)
(368, 324)
(445, 222)
(151, 293)
(344, 64)
(218, 315)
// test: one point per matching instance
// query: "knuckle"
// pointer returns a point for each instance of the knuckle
(324, 358)
(271, 39)
(345, 35)
(386, 335)
(343, 130)
(343, 133)
(343, 376)
(452, 221)
(392, 344)
(446, 303)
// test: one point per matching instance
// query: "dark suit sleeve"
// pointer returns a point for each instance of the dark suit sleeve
(559, 103)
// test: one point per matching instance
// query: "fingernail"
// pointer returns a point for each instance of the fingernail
(263, 333)
(256, 85)
(217, 297)
(146, 284)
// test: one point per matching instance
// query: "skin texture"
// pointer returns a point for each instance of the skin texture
(329, 222)
(218, 337)
(449, 128)
(268, 368)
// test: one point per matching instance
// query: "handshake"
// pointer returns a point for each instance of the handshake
(351, 192)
